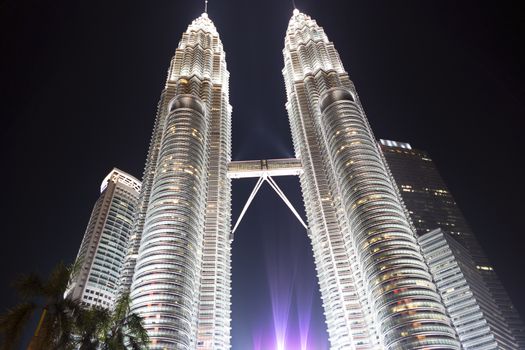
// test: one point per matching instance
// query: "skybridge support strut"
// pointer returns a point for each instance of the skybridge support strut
(277, 189)
(248, 202)
(281, 194)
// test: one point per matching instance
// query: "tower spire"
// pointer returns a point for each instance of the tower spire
(205, 6)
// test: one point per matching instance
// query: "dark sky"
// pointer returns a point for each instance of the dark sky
(80, 82)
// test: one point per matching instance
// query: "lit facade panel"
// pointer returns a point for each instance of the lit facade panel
(475, 316)
(101, 254)
(178, 263)
(376, 288)
(431, 205)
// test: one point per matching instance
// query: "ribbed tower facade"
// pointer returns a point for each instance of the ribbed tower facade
(178, 262)
(376, 288)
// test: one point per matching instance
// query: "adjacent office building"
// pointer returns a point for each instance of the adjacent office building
(101, 254)
(477, 319)
(431, 205)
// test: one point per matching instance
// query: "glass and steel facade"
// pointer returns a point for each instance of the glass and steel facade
(101, 254)
(376, 288)
(475, 316)
(430, 205)
(178, 261)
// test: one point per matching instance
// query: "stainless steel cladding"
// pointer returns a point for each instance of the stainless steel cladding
(376, 288)
(180, 250)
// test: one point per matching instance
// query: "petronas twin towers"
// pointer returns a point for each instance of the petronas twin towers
(376, 288)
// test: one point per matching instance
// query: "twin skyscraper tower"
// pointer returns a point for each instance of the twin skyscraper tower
(377, 289)
(375, 285)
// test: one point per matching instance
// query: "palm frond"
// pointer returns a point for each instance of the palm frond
(122, 306)
(90, 325)
(135, 345)
(12, 324)
(63, 330)
(136, 330)
(72, 306)
(29, 286)
(123, 330)
(74, 268)
(58, 280)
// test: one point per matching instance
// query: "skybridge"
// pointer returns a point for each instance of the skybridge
(265, 167)
(265, 170)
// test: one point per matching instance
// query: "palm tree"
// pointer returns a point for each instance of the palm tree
(64, 324)
(119, 329)
(55, 328)
(125, 330)
(89, 327)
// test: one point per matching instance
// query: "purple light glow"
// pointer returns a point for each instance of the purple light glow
(281, 282)
(257, 341)
(304, 295)
(291, 294)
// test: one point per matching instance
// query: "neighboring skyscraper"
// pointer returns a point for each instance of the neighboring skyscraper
(477, 319)
(102, 251)
(376, 288)
(181, 242)
(431, 205)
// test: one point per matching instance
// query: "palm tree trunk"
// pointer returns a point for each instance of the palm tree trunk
(34, 344)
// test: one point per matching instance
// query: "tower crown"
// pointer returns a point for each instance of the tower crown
(204, 23)
(307, 49)
(200, 54)
(301, 29)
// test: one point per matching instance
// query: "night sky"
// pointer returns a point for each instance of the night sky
(80, 81)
